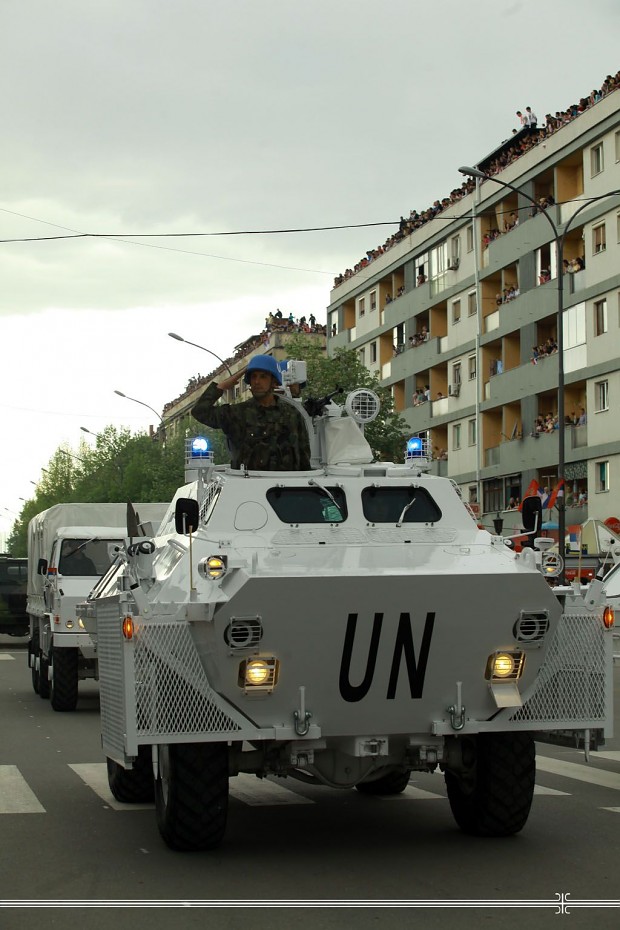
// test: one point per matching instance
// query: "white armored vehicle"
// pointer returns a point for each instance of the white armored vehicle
(346, 626)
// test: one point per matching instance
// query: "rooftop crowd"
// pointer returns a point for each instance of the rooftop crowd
(275, 323)
(527, 140)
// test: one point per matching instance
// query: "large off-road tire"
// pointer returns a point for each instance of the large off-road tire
(494, 795)
(191, 794)
(44, 681)
(133, 786)
(64, 685)
(392, 783)
(33, 652)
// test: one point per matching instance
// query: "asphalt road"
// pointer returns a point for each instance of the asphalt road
(64, 840)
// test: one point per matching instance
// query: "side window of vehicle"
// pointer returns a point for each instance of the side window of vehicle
(404, 504)
(308, 505)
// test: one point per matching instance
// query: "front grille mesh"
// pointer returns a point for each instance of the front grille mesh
(571, 682)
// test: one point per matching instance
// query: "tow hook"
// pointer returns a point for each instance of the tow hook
(457, 711)
(302, 717)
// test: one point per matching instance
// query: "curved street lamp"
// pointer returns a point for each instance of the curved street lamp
(196, 346)
(559, 238)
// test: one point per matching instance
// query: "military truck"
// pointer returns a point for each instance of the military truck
(69, 547)
(343, 626)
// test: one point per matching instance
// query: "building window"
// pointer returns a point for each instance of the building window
(455, 252)
(456, 436)
(456, 311)
(361, 306)
(492, 495)
(575, 326)
(362, 355)
(471, 367)
(373, 352)
(600, 317)
(470, 238)
(373, 301)
(596, 159)
(598, 239)
(471, 432)
(472, 304)
(601, 394)
(602, 476)
(456, 373)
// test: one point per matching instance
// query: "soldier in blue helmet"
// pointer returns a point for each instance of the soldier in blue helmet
(265, 433)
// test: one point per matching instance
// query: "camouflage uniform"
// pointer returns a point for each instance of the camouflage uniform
(261, 438)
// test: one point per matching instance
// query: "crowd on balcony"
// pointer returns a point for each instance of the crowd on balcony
(549, 423)
(546, 424)
(507, 294)
(542, 351)
(421, 395)
(528, 140)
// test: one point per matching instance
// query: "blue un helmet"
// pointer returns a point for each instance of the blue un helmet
(263, 363)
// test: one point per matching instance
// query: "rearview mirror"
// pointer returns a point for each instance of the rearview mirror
(186, 515)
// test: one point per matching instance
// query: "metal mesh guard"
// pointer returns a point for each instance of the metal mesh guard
(571, 682)
(172, 691)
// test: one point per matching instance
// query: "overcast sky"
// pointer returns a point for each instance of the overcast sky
(183, 116)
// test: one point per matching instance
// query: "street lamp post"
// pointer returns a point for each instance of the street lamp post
(142, 404)
(559, 239)
(196, 346)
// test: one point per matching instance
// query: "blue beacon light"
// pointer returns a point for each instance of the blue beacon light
(200, 447)
(414, 447)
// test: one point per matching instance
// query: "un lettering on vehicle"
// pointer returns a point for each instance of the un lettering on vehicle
(403, 647)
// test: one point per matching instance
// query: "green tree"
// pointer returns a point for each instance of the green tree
(121, 466)
(387, 434)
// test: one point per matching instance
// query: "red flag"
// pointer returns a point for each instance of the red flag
(554, 494)
(532, 491)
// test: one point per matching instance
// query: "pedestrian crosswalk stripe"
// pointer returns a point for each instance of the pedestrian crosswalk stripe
(5, 655)
(16, 796)
(612, 755)
(411, 793)
(614, 810)
(95, 776)
(254, 791)
(585, 773)
(540, 789)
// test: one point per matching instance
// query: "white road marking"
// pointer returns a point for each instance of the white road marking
(16, 796)
(614, 810)
(540, 789)
(6, 657)
(585, 773)
(95, 776)
(412, 794)
(612, 755)
(256, 792)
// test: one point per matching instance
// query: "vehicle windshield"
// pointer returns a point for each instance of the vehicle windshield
(393, 505)
(90, 557)
(309, 505)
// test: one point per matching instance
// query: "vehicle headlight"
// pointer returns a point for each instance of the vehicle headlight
(213, 567)
(69, 624)
(260, 674)
(505, 666)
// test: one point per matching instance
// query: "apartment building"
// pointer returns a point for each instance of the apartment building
(460, 319)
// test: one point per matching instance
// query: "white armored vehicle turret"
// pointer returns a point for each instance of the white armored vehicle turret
(344, 626)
